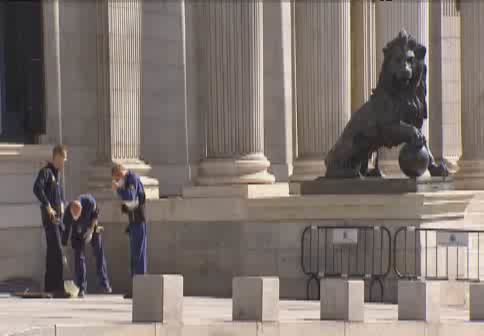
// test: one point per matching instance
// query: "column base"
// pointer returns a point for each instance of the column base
(251, 169)
(99, 182)
(470, 175)
(307, 170)
(281, 171)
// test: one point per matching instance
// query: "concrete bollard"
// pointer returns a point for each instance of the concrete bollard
(342, 299)
(255, 299)
(476, 301)
(157, 298)
(418, 300)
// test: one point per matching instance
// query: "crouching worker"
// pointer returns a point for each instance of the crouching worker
(129, 188)
(81, 222)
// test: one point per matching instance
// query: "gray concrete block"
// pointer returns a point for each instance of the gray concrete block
(342, 299)
(255, 299)
(418, 300)
(157, 298)
(476, 301)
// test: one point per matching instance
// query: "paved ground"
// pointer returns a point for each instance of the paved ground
(19, 315)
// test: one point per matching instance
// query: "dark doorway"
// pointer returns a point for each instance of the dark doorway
(22, 107)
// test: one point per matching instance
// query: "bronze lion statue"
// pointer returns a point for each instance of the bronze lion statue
(393, 115)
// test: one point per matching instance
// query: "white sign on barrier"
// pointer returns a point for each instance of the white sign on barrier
(453, 238)
(345, 236)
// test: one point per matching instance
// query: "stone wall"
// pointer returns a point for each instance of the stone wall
(170, 125)
(71, 83)
(21, 235)
(251, 237)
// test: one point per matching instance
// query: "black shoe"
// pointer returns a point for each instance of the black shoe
(128, 296)
(107, 290)
(61, 295)
(81, 294)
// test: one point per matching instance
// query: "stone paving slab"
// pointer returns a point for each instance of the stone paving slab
(111, 315)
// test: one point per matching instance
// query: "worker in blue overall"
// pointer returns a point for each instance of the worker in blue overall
(49, 191)
(129, 188)
(81, 223)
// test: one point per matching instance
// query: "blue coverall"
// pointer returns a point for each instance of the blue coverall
(133, 190)
(77, 229)
(48, 190)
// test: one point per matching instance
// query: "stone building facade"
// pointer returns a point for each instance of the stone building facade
(214, 93)
(161, 84)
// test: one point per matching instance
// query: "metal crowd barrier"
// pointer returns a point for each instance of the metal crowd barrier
(362, 252)
(437, 254)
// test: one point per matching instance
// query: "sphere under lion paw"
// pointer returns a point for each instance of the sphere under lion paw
(413, 160)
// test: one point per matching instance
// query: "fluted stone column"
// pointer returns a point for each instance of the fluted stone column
(119, 37)
(445, 101)
(435, 59)
(278, 98)
(471, 164)
(363, 56)
(231, 34)
(323, 81)
(391, 17)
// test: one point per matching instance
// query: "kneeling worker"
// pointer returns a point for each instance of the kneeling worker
(81, 221)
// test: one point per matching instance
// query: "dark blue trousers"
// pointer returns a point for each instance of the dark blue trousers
(138, 242)
(101, 265)
(54, 280)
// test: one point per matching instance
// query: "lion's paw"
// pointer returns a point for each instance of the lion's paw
(440, 170)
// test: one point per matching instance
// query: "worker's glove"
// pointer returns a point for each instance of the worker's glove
(124, 208)
(88, 235)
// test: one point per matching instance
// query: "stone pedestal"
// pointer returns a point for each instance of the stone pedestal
(342, 299)
(418, 300)
(476, 302)
(158, 298)
(255, 299)
(373, 186)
